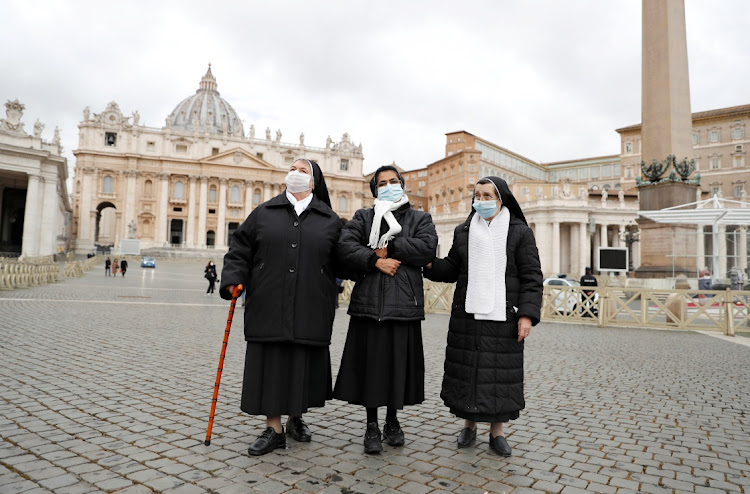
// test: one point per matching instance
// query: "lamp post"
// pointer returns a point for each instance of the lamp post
(629, 236)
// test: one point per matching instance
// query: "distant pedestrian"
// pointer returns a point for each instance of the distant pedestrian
(124, 266)
(108, 267)
(115, 267)
(210, 275)
(587, 296)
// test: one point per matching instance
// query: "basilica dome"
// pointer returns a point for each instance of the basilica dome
(206, 111)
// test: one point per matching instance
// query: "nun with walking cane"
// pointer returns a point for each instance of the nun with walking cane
(495, 264)
(384, 249)
(283, 255)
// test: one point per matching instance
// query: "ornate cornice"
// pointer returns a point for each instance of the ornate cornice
(163, 176)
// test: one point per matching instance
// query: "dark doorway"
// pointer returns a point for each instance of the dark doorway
(231, 228)
(11, 220)
(106, 222)
(210, 238)
(175, 232)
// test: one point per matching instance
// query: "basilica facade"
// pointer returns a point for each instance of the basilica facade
(190, 183)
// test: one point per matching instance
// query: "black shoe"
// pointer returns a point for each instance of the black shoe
(297, 428)
(394, 436)
(267, 442)
(373, 439)
(467, 437)
(499, 445)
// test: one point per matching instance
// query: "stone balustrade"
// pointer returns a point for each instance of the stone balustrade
(23, 274)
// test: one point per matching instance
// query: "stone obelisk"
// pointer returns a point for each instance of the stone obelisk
(666, 129)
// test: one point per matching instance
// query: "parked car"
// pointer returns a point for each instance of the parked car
(148, 262)
(566, 301)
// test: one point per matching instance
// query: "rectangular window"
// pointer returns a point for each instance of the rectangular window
(110, 139)
(696, 138)
(628, 147)
(211, 211)
(259, 155)
(607, 171)
(714, 136)
(594, 172)
(715, 163)
(177, 210)
(738, 133)
(715, 191)
(738, 161)
(150, 146)
(214, 151)
(181, 148)
(629, 172)
(738, 190)
(344, 165)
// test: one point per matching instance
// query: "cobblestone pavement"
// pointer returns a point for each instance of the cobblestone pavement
(106, 384)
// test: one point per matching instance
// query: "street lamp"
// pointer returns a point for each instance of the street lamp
(628, 236)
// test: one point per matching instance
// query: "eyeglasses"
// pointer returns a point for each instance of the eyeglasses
(485, 197)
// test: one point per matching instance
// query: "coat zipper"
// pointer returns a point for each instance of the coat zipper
(411, 288)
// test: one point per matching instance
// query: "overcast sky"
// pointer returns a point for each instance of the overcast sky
(548, 79)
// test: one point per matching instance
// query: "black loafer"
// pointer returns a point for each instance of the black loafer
(267, 442)
(394, 436)
(297, 428)
(467, 437)
(373, 440)
(500, 446)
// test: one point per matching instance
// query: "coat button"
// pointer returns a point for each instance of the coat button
(291, 270)
(294, 245)
(296, 223)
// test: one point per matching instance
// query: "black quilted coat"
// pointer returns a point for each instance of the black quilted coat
(483, 359)
(377, 295)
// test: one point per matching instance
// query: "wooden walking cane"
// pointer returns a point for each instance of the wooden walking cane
(235, 294)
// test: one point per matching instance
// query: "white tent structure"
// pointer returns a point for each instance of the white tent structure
(714, 211)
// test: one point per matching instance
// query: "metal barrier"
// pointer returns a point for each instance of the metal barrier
(712, 310)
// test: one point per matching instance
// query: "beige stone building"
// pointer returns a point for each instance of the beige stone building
(34, 203)
(192, 182)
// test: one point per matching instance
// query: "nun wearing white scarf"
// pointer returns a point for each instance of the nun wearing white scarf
(384, 249)
(495, 264)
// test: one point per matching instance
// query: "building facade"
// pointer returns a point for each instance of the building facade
(192, 182)
(34, 203)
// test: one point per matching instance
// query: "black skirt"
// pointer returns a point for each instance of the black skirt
(382, 364)
(285, 379)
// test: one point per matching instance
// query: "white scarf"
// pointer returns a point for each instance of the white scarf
(385, 209)
(301, 205)
(488, 258)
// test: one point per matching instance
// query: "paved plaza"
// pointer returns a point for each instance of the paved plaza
(106, 386)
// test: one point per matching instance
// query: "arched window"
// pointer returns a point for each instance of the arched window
(343, 206)
(256, 197)
(234, 195)
(108, 185)
(148, 187)
(212, 194)
(179, 190)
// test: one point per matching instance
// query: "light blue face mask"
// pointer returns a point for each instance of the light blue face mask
(485, 209)
(391, 192)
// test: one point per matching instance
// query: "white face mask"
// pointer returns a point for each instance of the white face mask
(297, 182)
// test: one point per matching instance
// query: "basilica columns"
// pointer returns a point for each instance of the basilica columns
(202, 210)
(31, 215)
(266, 192)
(161, 220)
(85, 226)
(249, 184)
(555, 247)
(723, 268)
(191, 211)
(603, 241)
(50, 227)
(584, 246)
(130, 176)
(741, 249)
(221, 226)
(700, 251)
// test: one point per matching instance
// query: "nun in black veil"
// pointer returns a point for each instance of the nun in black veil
(495, 264)
(283, 254)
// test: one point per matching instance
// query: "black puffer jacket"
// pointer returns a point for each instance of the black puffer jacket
(377, 295)
(483, 359)
(287, 266)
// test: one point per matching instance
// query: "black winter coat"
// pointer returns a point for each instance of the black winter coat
(286, 264)
(377, 295)
(483, 359)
